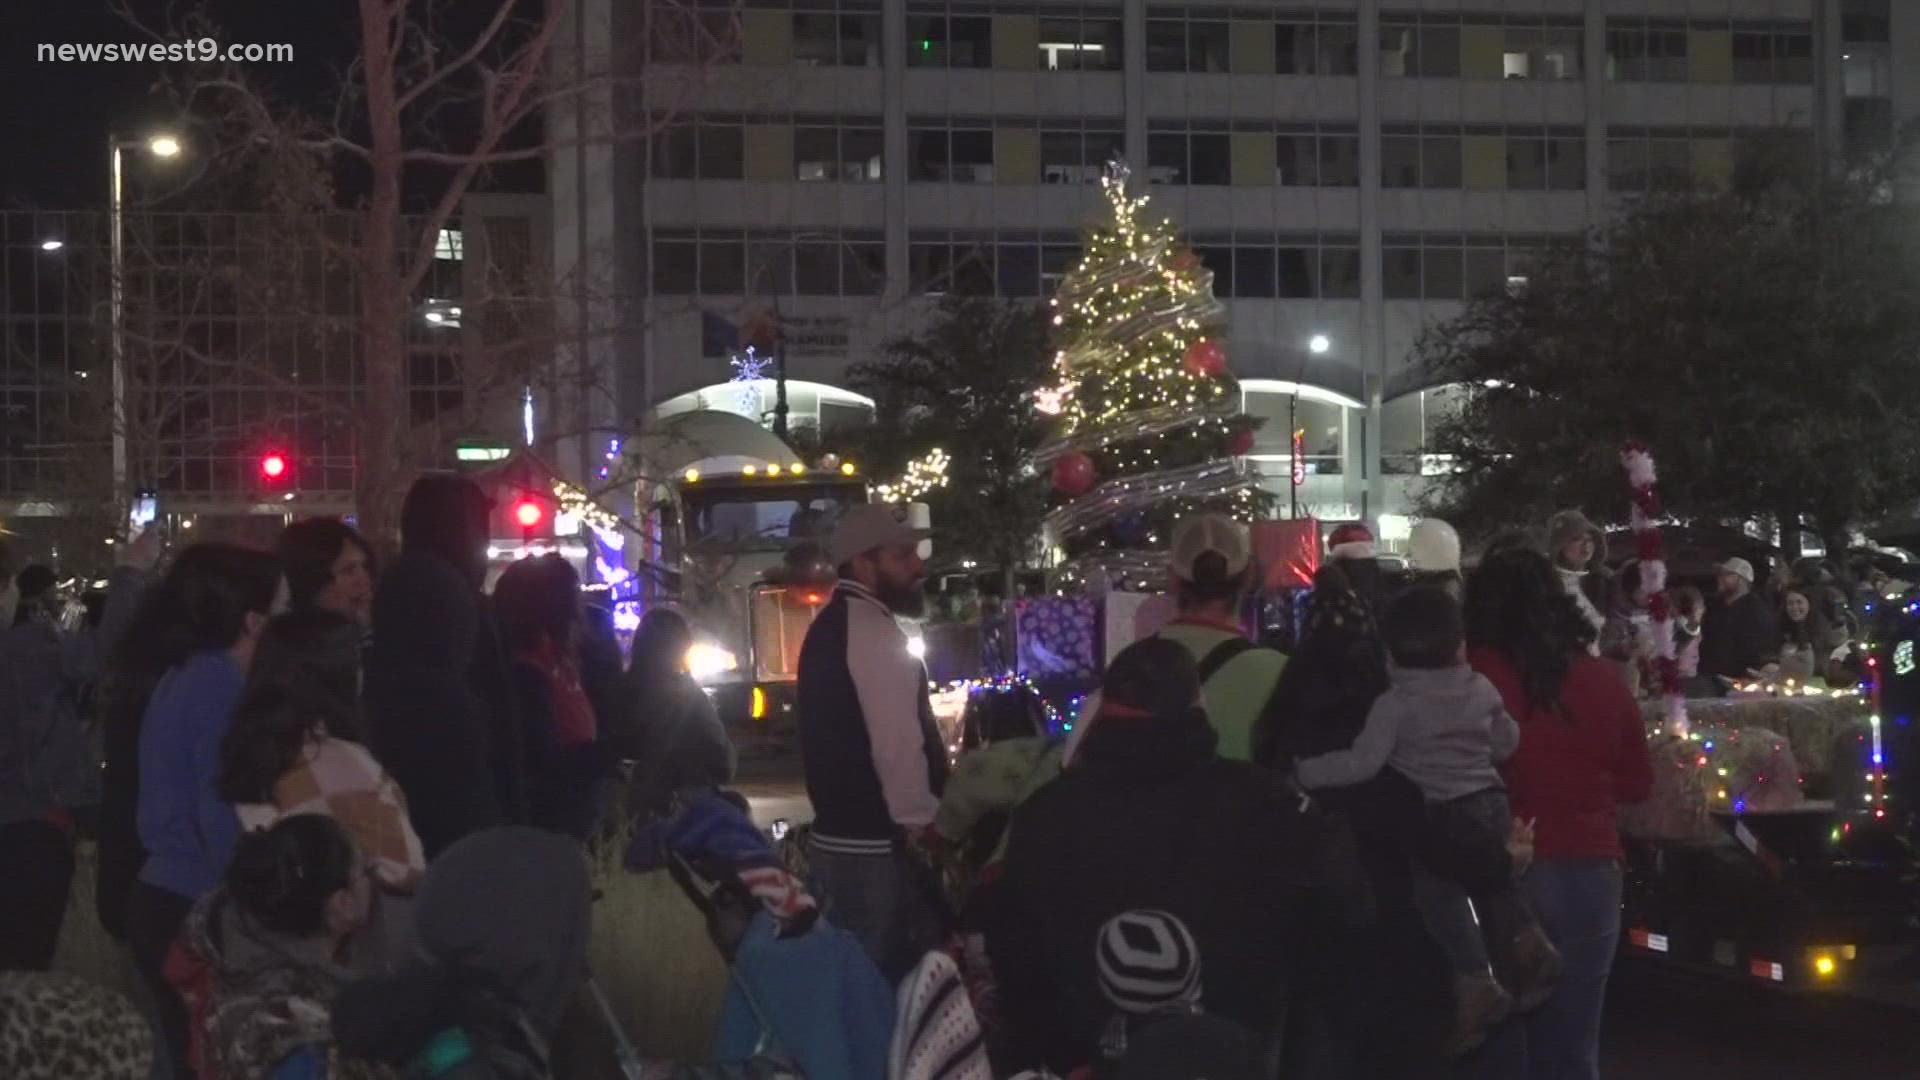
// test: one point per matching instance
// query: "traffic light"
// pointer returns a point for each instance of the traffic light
(528, 514)
(275, 468)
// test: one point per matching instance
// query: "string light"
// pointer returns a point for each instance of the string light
(574, 501)
(924, 475)
(1124, 389)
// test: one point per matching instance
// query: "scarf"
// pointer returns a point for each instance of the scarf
(573, 719)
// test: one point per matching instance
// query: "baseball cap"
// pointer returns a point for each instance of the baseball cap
(1738, 568)
(1209, 534)
(866, 527)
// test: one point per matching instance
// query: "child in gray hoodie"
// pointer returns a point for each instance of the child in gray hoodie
(1443, 726)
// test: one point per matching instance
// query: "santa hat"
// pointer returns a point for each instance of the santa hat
(1353, 541)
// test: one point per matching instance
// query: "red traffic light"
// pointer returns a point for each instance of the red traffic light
(273, 466)
(528, 513)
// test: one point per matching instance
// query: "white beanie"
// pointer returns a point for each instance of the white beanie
(1433, 547)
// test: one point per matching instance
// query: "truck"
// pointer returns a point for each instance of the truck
(739, 524)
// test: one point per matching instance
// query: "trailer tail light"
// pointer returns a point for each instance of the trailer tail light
(1824, 965)
(1767, 969)
(1646, 939)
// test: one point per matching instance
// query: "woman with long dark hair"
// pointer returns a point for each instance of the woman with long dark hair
(1582, 755)
(1808, 639)
(538, 604)
(682, 743)
(206, 619)
(329, 566)
(297, 745)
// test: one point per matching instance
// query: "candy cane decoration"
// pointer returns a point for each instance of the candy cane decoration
(1653, 582)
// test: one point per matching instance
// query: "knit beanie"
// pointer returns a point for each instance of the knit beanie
(1148, 962)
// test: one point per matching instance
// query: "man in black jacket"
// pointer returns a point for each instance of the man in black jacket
(1739, 635)
(1147, 816)
(874, 760)
(439, 695)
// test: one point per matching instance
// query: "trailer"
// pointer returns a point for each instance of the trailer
(1793, 899)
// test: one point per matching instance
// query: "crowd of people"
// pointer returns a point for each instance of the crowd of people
(1393, 853)
(343, 813)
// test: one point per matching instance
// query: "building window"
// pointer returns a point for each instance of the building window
(1324, 156)
(687, 34)
(826, 39)
(827, 151)
(1069, 155)
(1771, 56)
(1254, 275)
(1866, 71)
(1012, 264)
(1016, 270)
(1420, 158)
(1646, 50)
(1340, 271)
(1190, 157)
(1424, 46)
(1446, 266)
(1549, 160)
(1662, 159)
(1540, 50)
(700, 148)
(1263, 266)
(961, 153)
(1328, 45)
(1068, 43)
(769, 264)
(941, 40)
(1866, 21)
(1199, 46)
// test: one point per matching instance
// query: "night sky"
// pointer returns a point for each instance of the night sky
(54, 118)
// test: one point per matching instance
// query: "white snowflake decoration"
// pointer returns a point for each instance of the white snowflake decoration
(749, 370)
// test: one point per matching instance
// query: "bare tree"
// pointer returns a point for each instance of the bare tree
(438, 102)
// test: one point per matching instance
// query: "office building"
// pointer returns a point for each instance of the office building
(1353, 170)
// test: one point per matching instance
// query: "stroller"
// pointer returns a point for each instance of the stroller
(802, 996)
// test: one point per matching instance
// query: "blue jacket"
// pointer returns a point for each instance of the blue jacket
(825, 1004)
(187, 830)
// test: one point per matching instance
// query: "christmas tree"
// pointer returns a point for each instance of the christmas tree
(1150, 421)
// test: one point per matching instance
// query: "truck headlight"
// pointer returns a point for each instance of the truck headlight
(704, 661)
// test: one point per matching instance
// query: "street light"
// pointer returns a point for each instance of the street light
(1317, 345)
(164, 146)
(52, 245)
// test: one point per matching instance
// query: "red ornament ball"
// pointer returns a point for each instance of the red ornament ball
(1205, 358)
(1186, 260)
(1073, 474)
(1240, 443)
